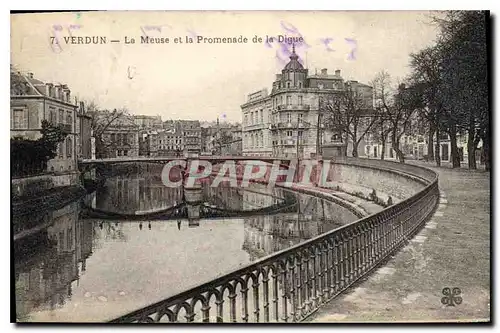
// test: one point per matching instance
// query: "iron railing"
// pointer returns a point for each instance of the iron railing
(291, 284)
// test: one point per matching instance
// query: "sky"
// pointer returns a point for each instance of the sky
(202, 80)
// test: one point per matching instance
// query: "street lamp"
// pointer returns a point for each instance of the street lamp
(318, 128)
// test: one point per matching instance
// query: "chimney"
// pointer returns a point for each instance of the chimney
(56, 91)
(82, 107)
(30, 75)
(324, 71)
(337, 72)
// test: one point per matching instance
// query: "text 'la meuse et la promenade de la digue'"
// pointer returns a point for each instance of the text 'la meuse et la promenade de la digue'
(178, 40)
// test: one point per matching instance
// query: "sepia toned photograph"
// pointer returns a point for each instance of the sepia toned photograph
(296, 167)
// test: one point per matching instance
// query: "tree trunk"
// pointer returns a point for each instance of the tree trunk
(486, 151)
(455, 158)
(437, 147)
(383, 138)
(355, 149)
(395, 145)
(355, 144)
(430, 143)
(471, 149)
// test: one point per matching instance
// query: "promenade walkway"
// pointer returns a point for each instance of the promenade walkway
(453, 250)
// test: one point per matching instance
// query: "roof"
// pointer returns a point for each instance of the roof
(323, 77)
(294, 63)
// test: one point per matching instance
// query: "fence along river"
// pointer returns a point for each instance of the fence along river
(292, 283)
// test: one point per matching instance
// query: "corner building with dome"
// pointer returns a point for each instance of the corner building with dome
(285, 122)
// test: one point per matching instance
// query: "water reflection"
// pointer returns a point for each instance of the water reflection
(44, 277)
(80, 269)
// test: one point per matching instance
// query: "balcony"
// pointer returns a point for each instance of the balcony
(290, 125)
(292, 107)
(66, 128)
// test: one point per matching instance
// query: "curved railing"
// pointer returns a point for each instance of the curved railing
(291, 284)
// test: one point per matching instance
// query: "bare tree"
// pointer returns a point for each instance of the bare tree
(102, 122)
(396, 106)
(349, 114)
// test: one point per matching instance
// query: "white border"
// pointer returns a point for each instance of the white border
(196, 5)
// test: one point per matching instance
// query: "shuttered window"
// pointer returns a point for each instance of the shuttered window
(19, 119)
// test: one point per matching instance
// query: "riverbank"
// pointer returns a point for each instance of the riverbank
(28, 211)
(453, 250)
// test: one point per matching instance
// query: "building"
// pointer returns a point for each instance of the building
(256, 133)
(191, 133)
(170, 141)
(288, 122)
(148, 122)
(84, 130)
(33, 101)
(120, 138)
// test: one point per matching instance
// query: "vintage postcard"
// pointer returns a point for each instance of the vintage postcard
(250, 166)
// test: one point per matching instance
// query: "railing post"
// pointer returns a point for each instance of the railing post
(255, 286)
(307, 282)
(244, 303)
(265, 282)
(291, 272)
(220, 313)
(275, 292)
(284, 283)
(205, 312)
(325, 270)
(300, 284)
(232, 306)
(314, 278)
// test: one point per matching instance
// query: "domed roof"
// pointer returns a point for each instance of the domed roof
(294, 63)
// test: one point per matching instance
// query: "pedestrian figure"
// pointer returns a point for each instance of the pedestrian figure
(179, 224)
(140, 226)
(149, 225)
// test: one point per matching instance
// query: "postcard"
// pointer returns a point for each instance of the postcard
(250, 166)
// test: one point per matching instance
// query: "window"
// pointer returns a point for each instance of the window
(246, 120)
(288, 84)
(289, 133)
(52, 116)
(300, 84)
(281, 100)
(70, 238)
(301, 116)
(125, 152)
(262, 116)
(69, 147)
(61, 116)
(289, 117)
(300, 134)
(60, 150)
(300, 100)
(288, 100)
(19, 118)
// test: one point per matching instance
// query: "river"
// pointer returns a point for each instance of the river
(81, 269)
